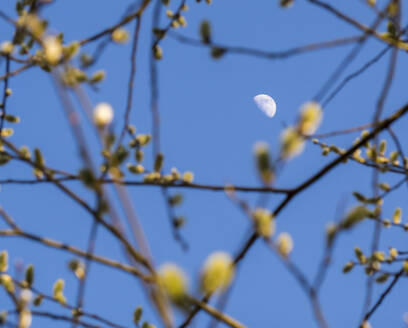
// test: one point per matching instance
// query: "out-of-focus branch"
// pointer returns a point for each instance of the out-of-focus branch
(76, 251)
(124, 21)
(216, 314)
(362, 27)
(263, 53)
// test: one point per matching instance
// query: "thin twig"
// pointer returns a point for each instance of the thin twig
(16, 72)
(5, 96)
(65, 247)
(216, 314)
(131, 80)
(124, 21)
(384, 295)
(266, 54)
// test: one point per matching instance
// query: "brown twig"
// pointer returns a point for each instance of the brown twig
(266, 54)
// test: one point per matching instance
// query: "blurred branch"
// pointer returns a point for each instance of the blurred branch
(216, 314)
(17, 71)
(266, 54)
(131, 80)
(176, 185)
(355, 74)
(341, 132)
(365, 29)
(5, 95)
(65, 247)
(124, 21)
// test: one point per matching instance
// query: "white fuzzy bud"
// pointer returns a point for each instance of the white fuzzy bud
(103, 114)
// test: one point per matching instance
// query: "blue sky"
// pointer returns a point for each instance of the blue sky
(209, 126)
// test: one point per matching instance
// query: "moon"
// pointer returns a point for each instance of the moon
(266, 104)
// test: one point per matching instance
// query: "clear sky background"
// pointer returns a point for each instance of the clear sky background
(209, 126)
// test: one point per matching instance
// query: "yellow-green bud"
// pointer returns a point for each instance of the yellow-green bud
(355, 216)
(393, 253)
(383, 147)
(405, 266)
(58, 291)
(175, 173)
(143, 139)
(376, 265)
(379, 256)
(136, 169)
(71, 50)
(173, 281)
(188, 177)
(139, 155)
(98, 76)
(382, 278)
(397, 216)
(384, 186)
(152, 177)
(52, 50)
(405, 162)
(182, 21)
(157, 52)
(217, 273)
(263, 222)
(78, 268)
(348, 267)
(29, 275)
(3, 261)
(331, 232)
(217, 52)
(120, 35)
(158, 162)
(365, 324)
(360, 197)
(7, 132)
(137, 315)
(11, 118)
(284, 244)
(394, 156)
(38, 300)
(205, 31)
(386, 223)
(103, 114)
(360, 256)
(25, 318)
(175, 200)
(7, 282)
(6, 48)
(263, 162)
(33, 23)
(311, 114)
(286, 3)
(292, 143)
